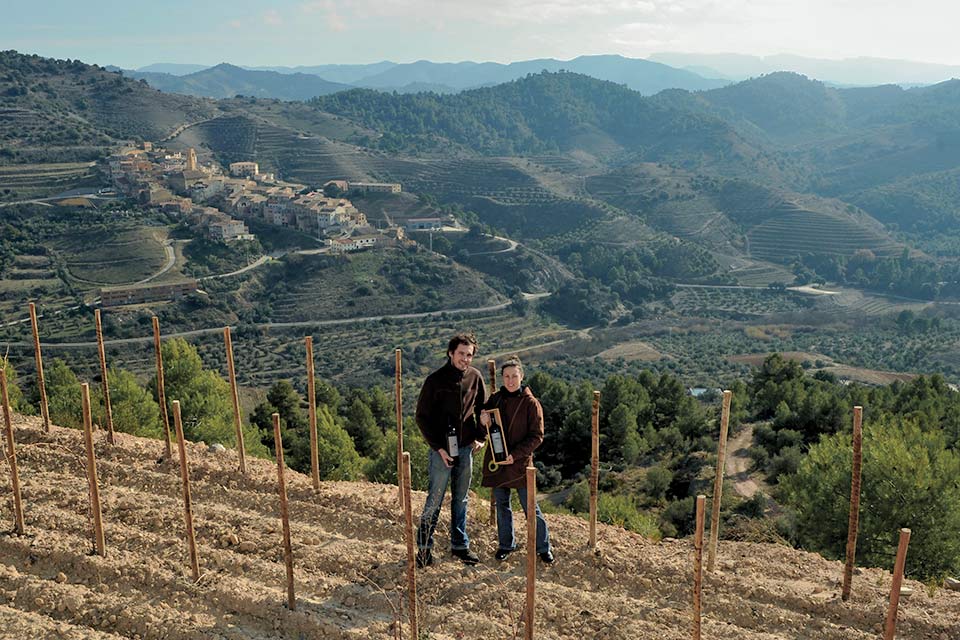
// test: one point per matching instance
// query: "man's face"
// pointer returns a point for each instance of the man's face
(462, 356)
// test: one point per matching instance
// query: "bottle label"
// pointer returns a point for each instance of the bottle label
(452, 446)
(496, 439)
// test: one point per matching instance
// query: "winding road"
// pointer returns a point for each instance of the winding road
(171, 260)
(264, 325)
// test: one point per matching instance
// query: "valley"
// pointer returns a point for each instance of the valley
(786, 239)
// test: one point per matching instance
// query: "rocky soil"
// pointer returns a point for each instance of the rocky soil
(350, 565)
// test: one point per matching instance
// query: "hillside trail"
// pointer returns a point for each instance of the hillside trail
(350, 561)
(738, 462)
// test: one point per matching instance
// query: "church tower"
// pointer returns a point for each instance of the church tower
(191, 160)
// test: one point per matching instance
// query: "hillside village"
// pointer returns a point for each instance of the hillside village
(217, 204)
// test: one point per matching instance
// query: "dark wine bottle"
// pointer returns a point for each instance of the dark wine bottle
(453, 445)
(497, 444)
(497, 439)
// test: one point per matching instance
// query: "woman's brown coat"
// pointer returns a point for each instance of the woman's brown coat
(522, 418)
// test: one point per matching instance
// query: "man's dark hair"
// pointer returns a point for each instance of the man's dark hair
(463, 338)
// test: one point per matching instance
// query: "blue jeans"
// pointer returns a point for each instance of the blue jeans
(505, 537)
(459, 476)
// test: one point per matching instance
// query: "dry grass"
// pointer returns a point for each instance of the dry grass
(634, 351)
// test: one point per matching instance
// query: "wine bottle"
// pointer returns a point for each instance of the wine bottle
(453, 445)
(496, 440)
(498, 443)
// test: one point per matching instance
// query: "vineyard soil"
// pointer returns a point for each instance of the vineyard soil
(350, 565)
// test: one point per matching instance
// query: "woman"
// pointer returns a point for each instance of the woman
(522, 422)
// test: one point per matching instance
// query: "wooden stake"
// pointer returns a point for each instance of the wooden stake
(411, 548)
(854, 520)
(161, 394)
(284, 514)
(718, 481)
(890, 628)
(531, 551)
(18, 525)
(398, 407)
(594, 468)
(187, 503)
(312, 404)
(492, 369)
(44, 409)
(108, 412)
(698, 567)
(235, 396)
(98, 540)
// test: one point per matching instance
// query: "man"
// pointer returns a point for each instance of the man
(448, 411)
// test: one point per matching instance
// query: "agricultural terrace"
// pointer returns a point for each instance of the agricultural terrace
(759, 274)
(701, 349)
(292, 155)
(741, 303)
(538, 220)
(114, 255)
(306, 288)
(24, 181)
(798, 232)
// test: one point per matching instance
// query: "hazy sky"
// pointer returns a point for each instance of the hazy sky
(295, 32)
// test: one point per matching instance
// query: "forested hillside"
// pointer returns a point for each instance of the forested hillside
(543, 113)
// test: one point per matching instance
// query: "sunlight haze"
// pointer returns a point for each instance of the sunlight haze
(333, 31)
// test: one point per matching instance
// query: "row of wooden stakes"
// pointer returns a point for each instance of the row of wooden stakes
(404, 475)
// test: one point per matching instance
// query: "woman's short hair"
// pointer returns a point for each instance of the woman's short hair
(512, 361)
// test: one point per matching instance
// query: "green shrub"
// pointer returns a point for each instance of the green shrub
(909, 480)
(622, 511)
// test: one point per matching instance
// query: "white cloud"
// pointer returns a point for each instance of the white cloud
(272, 17)
(491, 11)
(332, 14)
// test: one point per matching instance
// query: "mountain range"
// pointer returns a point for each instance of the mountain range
(661, 71)
(226, 80)
(860, 71)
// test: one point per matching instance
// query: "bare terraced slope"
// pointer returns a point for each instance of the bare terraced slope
(350, 562)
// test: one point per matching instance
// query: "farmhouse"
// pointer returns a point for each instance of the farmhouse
(365, 187)
(138, 294)
(244, 169)
(424, 224)
(375, 187)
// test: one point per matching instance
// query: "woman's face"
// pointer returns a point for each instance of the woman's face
(512, 377)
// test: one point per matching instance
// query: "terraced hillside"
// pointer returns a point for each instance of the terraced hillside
(802, 231)
(24, 181)
(120, 255)
(70, 110)
(349, 563)
(740, 303)
(742, 218)
(30, 277)
(511, 194)
(373, 283)
(293, 155)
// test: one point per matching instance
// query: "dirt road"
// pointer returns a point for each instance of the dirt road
(738, 462)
